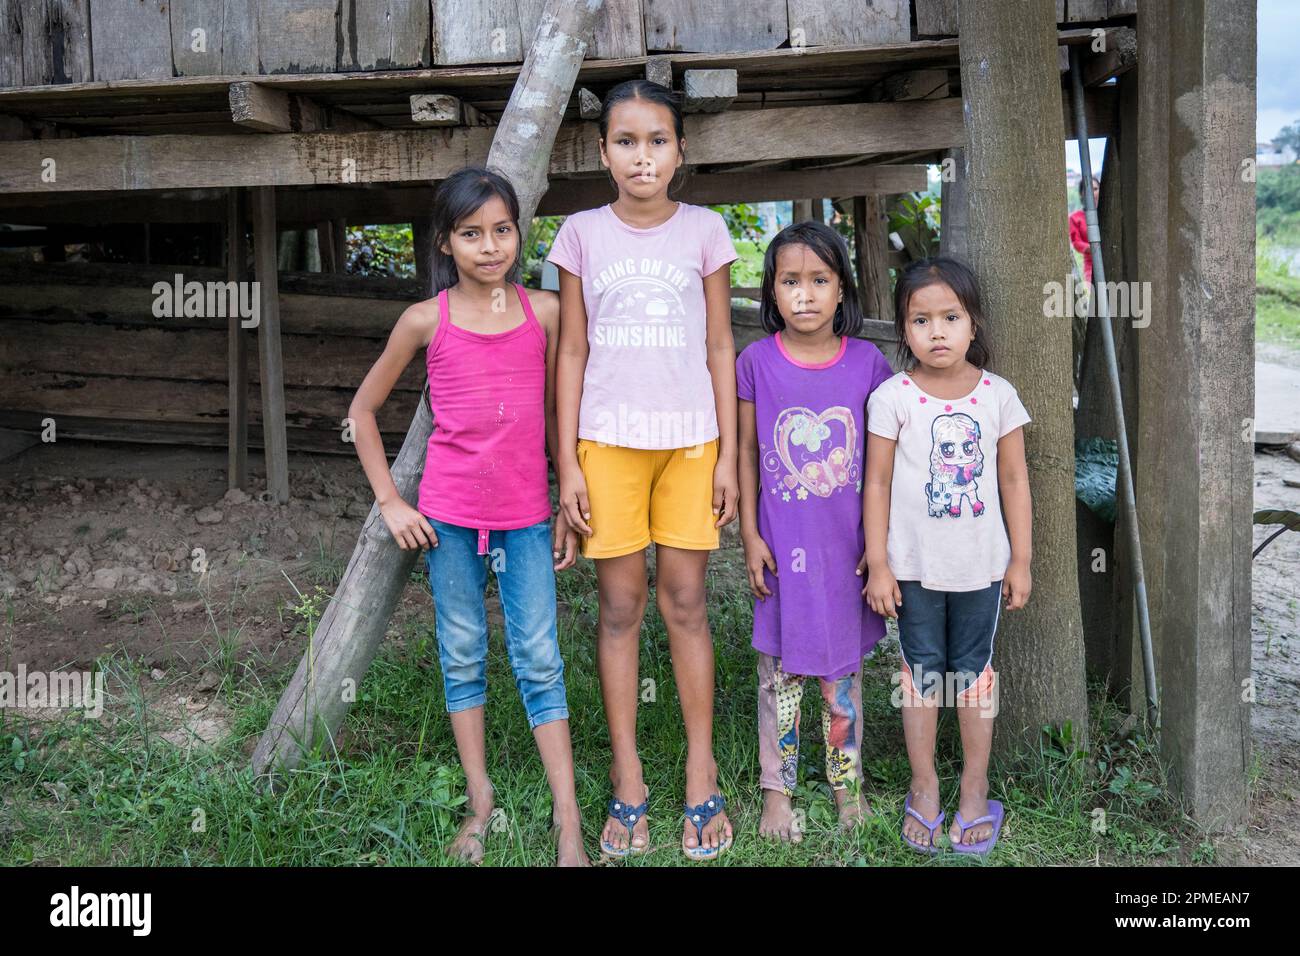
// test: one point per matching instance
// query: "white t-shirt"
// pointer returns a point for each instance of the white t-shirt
(945, 513)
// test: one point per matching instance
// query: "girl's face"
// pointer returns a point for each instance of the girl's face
(641, 149)
(484, 243)
(807, 289)
(939, 330)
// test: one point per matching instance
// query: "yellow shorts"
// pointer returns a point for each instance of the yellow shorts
(639, 495)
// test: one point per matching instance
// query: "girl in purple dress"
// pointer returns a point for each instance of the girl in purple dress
(802, 424)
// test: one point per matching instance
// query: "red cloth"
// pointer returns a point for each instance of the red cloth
(1079, 239)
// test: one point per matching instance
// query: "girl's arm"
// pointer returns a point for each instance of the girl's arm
(881, 590)
(414, 331)
(570, 368)
(722, 369)
(1017, 509)
(757, 553)
(548, 313)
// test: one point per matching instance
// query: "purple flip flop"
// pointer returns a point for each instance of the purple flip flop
(930, 825)
(994, 816)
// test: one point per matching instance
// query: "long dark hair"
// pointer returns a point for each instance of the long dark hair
(829, 246)
(956, 275)
(458, 196)
(651, 92)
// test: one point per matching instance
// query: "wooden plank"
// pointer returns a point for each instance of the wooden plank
(477, 31)
(318, 439)
(298, 36)
(1085, 10)
(823, 23)
(165, 400)
(44, 42)
(719, 27)
(160, 351)
(936, 18)
(267, 110)
(178, 162)
(618, 33)
(394, 204)
(268, 341)
(236, 344)
(659, 69)
(131, 39)
(228, 38)
(395, 36)
(911, 85)
(1119, 57)
(1121, 8)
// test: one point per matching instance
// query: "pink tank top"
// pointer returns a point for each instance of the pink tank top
(485, 467)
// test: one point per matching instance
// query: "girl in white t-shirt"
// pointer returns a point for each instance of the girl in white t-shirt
(945, 466)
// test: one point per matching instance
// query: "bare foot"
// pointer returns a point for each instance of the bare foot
(701, 784)
(852, 806)
(468, 842)
(778, 821)
(567, 833)
(925, 801)
(627, 787)
(973, 805)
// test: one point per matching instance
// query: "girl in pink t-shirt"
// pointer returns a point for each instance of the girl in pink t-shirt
(489, 349)
(945, 465)
(646, 398)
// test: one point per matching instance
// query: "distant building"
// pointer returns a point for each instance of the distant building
(1271, 154)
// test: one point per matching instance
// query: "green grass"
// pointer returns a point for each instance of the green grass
(86, 792)
(1277, 298)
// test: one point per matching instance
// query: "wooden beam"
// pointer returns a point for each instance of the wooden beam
(396, 203)
(910, 85)
(180, 162)
(443, 109)
(708, 91)
(237, 343)
(257, 107)
(268, 341)
(871, 247)
(589, 105)
(659, 69)
(1119, 56)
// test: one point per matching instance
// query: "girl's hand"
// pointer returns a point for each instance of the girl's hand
(757, 557)
(726, 493)
(573, 499)
(1016, 585)
(408, 527)
(881, 589)
(565, 546)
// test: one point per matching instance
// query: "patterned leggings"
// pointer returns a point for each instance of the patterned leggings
(779, 697)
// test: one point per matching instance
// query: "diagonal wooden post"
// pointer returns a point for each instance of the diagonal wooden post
(353, 625)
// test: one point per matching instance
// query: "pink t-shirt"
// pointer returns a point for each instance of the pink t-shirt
(945, 512)
(647, 383)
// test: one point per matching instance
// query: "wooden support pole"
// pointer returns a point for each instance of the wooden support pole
(1196, 378)
(871, 248)
(237, 271)
(354, 623)
(954, 206)
(265, 258)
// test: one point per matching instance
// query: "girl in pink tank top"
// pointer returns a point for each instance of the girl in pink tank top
(489, 349)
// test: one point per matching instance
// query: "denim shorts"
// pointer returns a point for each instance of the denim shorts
(946, 637)
(525, 570)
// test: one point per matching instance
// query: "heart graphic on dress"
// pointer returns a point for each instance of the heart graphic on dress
(801, 434)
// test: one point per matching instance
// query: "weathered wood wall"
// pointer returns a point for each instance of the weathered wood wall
(44, 42)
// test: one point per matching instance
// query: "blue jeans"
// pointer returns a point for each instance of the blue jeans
(525, 571)
(946, 637)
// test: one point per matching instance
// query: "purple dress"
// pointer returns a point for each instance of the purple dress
(811, 423)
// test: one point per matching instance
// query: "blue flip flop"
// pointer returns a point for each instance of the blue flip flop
(700, 817)
(627, 815)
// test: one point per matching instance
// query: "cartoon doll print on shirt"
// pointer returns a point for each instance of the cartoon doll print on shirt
(813, 453)
(956, 460)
